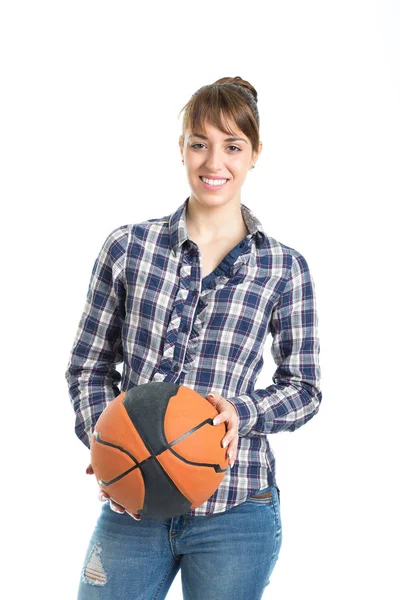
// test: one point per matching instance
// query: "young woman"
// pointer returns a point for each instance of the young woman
(190, 298)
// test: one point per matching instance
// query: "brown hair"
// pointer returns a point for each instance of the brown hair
(227, 98)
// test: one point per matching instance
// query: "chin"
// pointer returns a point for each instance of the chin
(212, 199)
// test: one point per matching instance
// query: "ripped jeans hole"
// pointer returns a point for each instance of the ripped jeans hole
(93, 572)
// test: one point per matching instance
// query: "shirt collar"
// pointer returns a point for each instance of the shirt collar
(178, 232)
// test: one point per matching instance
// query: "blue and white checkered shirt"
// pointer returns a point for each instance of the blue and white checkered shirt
(148, 308)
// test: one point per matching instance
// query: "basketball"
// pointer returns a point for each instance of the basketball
(155, 450)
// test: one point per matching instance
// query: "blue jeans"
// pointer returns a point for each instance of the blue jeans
(225, 556)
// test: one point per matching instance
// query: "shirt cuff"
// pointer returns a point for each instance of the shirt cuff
(246, 411)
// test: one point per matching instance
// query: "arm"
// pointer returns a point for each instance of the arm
(295, 396)
(91, 374)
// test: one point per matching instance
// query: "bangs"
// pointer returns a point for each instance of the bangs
(218, 105)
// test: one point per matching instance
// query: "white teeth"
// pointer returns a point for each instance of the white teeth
(213, 181)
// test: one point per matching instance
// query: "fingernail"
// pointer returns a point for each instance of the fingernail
(120, 512)
(210, 396)
(133, 516)
(224, 445)
(216, 421)
(230, 453)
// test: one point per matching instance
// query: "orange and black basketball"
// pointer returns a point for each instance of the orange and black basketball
(156, 451)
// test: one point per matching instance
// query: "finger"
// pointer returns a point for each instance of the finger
(231, 431)
(232, 453)
(226, 415)
(231, 435)
(231, 449)
(223, 416)
(215, 399)
(135, 516)
(230, 444)
(232, 426)
(103, 496)
(116, 507)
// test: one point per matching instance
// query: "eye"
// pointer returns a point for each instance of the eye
(195, 145)
(237, 148)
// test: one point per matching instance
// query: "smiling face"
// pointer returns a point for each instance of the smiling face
(217, 163)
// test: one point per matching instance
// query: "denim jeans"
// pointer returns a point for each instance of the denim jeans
(225, 556)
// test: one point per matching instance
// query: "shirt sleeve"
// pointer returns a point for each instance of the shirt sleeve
(97, 349)
(295, 396)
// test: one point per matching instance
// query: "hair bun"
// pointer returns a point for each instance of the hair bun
(241, 82)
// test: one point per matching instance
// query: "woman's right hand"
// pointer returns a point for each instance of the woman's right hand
(103, 496)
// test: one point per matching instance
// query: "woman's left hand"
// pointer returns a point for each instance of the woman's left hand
(227, 413)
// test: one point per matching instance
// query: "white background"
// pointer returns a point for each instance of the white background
(90, 95)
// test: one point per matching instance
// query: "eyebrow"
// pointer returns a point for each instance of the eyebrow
(229, 139)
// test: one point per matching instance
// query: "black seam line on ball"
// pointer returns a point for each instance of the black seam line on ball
(148, 447)
(216, 467)
(98, 439)
(182, 437)
(107, 483)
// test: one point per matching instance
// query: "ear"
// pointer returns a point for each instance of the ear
(257, 154)
(181, 144)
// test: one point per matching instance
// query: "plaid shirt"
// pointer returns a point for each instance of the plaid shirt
(148, 308)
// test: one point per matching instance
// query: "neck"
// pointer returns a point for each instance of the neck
(212, 223)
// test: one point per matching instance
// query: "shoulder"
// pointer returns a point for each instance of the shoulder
(293, 263)
(120, 236)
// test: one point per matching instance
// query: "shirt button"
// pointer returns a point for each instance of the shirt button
(241, 245)
(176, 367)
(184, 328)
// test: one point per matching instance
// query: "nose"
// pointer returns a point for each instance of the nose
(215, 160)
